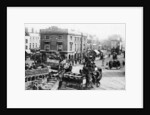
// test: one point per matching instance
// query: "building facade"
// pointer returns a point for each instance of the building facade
(32, 40)
(67, 42)
(84, 45)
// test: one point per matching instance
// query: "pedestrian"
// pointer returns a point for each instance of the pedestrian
(60, 79)
(102, 58)
(72, 62)
(75, 61)
(109, 55)
(124, 54)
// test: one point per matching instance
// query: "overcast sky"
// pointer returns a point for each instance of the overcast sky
(102, 31)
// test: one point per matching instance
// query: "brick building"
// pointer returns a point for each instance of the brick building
(67, 42)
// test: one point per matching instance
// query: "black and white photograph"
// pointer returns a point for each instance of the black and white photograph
(75, 56)
(91, 57)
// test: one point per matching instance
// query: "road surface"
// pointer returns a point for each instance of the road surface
(111, 80)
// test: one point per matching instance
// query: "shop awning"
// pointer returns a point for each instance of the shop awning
(97, 52)
(28, 51)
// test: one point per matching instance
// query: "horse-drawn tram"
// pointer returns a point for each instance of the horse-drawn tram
(38, 79)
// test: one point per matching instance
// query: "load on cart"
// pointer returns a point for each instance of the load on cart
(114, 62)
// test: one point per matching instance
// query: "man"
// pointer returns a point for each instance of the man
(124, 53)
(85, 72)
(102, 58)
(72, 61)
(60, 75)
(114, 55)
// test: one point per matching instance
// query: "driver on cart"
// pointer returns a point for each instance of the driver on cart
(114, 56)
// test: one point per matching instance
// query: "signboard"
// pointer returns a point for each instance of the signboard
(36, 71)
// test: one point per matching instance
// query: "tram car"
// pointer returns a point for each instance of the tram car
(74, 80)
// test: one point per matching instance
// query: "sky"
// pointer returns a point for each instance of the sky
(102, 31)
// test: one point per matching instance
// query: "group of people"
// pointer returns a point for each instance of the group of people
(91, 72)
(75, 61)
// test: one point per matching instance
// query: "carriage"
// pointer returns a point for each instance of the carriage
(82, 80)
(114, 64)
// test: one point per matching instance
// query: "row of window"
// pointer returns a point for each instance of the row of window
(77, 38)
(26, 40)
(30, 47)
(59, 47)
(34, 38)
(48, 37)
(77, 46)
(60, 37)
(33, 45)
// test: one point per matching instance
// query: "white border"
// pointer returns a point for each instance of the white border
(17, 97)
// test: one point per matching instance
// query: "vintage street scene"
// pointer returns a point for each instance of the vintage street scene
(75, 56)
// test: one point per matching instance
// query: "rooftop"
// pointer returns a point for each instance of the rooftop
(56, 30)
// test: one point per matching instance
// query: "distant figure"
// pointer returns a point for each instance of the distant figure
(72, 61)
(102, 58)
(123, 63)
(109, 55)
(124, 54)
(114, 55)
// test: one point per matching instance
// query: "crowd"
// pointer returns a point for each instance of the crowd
(91, 71)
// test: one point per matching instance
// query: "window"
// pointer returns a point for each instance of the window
(33, 45)
(47, 47)
(60, 37)
(59, 47)
(75, 47)
(47, 37)
(70, 37)
(26, 47)
(71, 46)
(30, 45)
(26, 40)
(46, 42)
